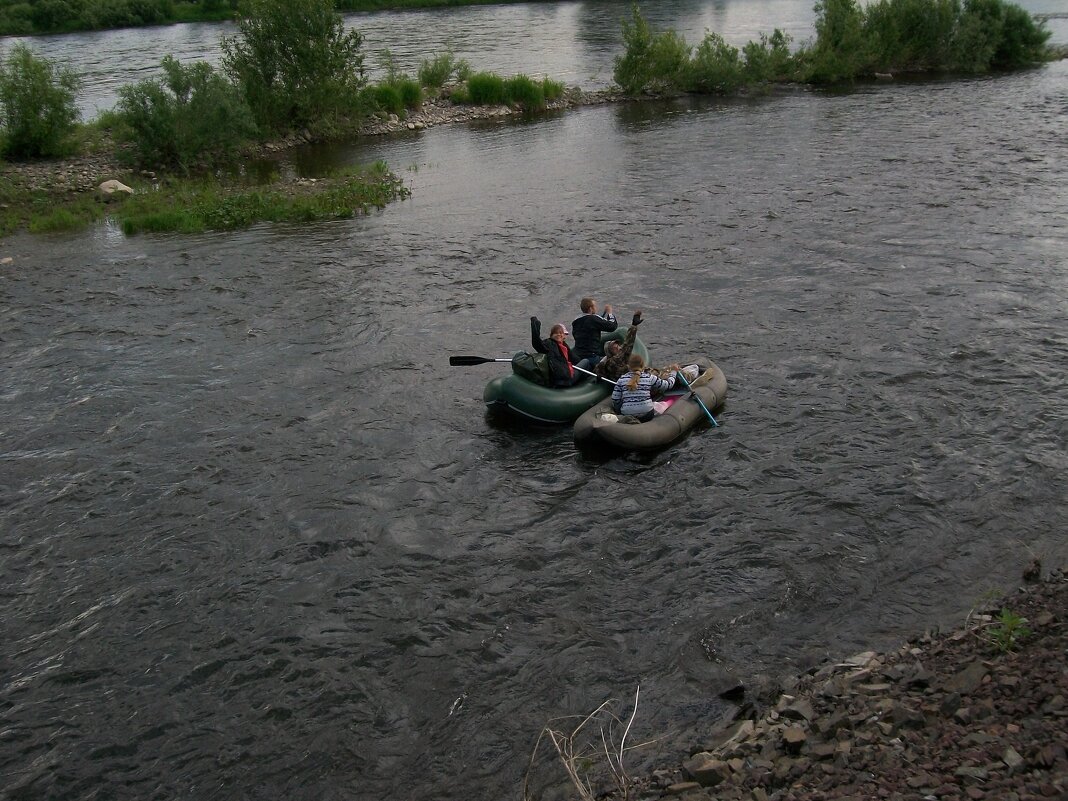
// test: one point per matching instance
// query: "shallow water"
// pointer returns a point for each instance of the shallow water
(259, 540)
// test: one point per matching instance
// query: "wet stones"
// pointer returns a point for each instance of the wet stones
(946, 717)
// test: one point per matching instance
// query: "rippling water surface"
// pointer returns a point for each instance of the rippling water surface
(575, 42)
(260, 541)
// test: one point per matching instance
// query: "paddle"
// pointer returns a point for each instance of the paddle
(686, 384)
(467, 361)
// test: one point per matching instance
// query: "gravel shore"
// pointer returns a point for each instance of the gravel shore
(947, 717)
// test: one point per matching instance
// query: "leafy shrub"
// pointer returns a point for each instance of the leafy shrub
(439, 70)
(910, 34)
(294, 62)
(17, 20)
(1022, 40)
(192, 115)
(716, 67)
(525, 91)
(650, 61)
(486, 89)
(840, 52)
(49, 15)
(37, 102)
(124, 13)
(769, 59)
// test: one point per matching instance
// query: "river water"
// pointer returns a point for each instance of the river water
(260, 541)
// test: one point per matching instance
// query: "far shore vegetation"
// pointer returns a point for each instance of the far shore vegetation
(293, 68)
(21, 18)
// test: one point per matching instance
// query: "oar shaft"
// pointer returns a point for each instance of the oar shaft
(590, 372)
(697, 398)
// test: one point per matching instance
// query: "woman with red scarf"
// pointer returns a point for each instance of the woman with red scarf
(561, 366)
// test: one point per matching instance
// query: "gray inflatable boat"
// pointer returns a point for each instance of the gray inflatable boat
(600, 425)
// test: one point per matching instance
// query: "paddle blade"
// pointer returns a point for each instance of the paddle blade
(467, 361)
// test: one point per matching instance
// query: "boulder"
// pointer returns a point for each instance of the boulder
(113, 190)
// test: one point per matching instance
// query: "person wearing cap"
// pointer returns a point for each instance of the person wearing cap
(614, 364)
(561, 361)
(587, 330)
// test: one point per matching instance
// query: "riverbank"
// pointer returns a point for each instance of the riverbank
(85, 173)
(33, 191)
(958, 716)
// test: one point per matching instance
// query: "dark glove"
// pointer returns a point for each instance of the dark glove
(535, 321)
(636, 320)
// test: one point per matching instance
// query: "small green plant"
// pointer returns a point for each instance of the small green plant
(553, 90)
(525, 92)
(486, 89)
(385, 97)
(435, 72)
(1006, 631)
(410, 91)
(37, 103)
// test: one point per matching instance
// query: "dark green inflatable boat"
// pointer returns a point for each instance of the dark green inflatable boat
(521, 396)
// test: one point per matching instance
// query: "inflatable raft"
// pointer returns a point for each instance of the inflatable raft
(600, 425)
(516, 394)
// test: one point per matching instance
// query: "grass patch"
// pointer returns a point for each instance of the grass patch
(42, 211)
(490, 89)
(435, 72)
(197, 204)
(193, 206)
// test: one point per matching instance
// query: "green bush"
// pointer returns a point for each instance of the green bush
(716, 67)
(411, 92)
(769, 59)
(191, 116)
(910, 34)
(486, 89)
(525, 92)
(122, 14)
(841, 51)
(17, 20)
(650, 61)
(439, 70)
(294, 62)
(386, 97)
(1022, 41)
(37, 103)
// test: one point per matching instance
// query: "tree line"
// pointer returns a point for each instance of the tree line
(30, 17)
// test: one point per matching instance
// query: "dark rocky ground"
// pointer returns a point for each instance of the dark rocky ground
(948, 717)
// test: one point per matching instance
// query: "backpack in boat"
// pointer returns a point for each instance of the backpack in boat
(532, 367)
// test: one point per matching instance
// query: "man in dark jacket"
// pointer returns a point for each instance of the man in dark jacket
(561, 360)
(587, 332)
